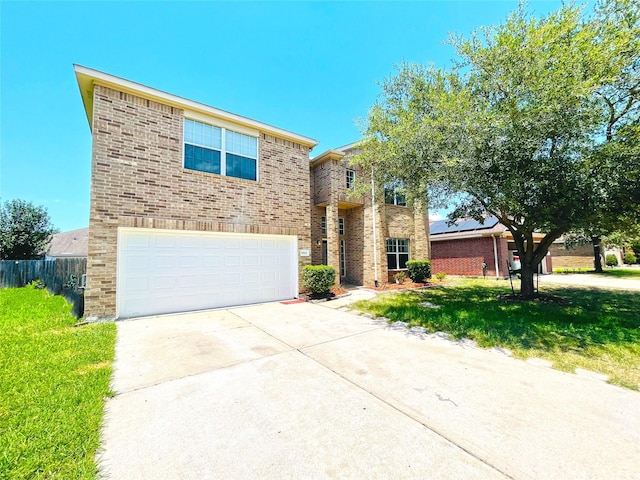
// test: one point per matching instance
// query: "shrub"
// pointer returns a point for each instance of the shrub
(419, 270)
(400, 277)
(441, 276)
(611, 260)
(318, 278)
(629, 258)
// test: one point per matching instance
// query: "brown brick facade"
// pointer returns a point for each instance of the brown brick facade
(465, 256)
(332, 200)
(138, 180)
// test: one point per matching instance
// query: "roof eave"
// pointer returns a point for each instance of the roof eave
(88, 77)
(326, 156)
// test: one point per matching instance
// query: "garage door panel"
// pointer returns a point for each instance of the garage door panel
(161, 271)
(164, 241)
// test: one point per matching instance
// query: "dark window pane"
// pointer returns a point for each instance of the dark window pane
(388, 196)
(404, 257)
(391, 262)
(202, 159)
(241, 167)
(401, 200)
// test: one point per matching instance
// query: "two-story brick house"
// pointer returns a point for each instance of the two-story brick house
(366, 245)
(193, 207)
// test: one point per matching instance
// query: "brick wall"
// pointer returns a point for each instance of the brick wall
(465, 256)
(581, 257)
(137, 179)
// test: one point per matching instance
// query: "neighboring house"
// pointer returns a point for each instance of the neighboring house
(463, 247)
(579, 257)
(364, 244)
(192, 207)
(71, 244)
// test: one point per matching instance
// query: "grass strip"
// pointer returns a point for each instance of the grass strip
(54, 378)
(599, 330)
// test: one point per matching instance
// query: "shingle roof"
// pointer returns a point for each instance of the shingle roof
(465, 227)
(73, 243)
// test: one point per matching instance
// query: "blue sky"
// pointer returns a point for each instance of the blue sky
(309, 67)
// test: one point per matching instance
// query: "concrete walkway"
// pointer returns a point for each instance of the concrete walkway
(304, 391)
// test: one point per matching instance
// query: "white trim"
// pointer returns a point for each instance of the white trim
(495, 257)
(343, 259)
(88, 77)
(223, 149)
(373, 221)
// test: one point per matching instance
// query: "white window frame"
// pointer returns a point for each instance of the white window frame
(343, 259)
(396, 197)
(394, 243)
(340, 226)
(351, 178)
(323, 225)
(223, 149)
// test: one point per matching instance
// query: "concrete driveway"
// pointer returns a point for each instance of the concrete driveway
(305, 391)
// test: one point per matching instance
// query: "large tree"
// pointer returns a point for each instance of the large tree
(617, 158)
(25, 230)
(511, 130)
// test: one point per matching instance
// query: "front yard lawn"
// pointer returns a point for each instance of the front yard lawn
(629, 272)
(53, 381)
(599, 330)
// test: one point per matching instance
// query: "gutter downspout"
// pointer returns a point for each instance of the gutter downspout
(495, 256)
(373, 219)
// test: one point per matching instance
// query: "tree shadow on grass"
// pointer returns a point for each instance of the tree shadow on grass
(594, 317)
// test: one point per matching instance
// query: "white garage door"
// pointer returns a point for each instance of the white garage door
(166, 271)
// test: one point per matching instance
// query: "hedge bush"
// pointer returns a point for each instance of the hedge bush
(611, 260)
(318, 278)
(629, 258)
(419, 270)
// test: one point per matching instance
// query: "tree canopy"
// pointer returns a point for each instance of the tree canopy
(526, 126)
(25, 230)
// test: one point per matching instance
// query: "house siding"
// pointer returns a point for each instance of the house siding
(138, 180)
(579, 257)
(465, 256)
(331, 199)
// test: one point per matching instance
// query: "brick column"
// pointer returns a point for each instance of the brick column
(420, 249)
(333, 240)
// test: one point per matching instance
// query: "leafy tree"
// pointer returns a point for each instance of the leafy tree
(512, 130)
(616, 160)
(25, 230)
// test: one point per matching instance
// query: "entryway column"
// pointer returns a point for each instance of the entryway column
(333, 239)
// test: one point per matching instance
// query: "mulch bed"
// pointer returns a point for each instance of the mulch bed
(402, 286)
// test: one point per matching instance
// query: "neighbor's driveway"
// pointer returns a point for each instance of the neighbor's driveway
(305, 391)
(591, 280)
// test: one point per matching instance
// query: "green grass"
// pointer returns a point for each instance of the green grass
(633, 273)
(53, 381)
(598, 331)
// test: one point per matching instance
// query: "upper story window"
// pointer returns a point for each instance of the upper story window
(220, 151)
(340, 226)
(323, 225)
(351, 178)
(393, 196)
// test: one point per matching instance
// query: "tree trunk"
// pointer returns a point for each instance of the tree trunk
(527, 286)
(597, 258)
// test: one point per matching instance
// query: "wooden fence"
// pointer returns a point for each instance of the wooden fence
(61, 276)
